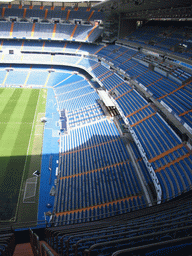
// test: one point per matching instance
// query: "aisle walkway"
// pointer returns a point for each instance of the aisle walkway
(23, 249)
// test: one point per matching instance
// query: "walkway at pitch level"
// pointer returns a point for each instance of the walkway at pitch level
(50, 156)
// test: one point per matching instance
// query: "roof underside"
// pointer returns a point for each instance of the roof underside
(125, 6)
(58, 2)
(137, 5)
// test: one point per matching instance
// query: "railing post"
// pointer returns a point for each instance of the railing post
(45, 251)
(34, 241)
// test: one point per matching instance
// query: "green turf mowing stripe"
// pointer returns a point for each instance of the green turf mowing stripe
(12, 127)
(1, 90)
(8, 140)
(22, 141)
(10, 187)
(8, 110)
(4, 98)
(31, 106)
(19, 109)
(13, 166)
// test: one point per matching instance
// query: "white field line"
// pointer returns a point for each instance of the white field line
(27, 155)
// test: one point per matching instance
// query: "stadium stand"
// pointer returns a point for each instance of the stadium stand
(104, 183)
(104, 171)
(67, 14)
(163, 36)
(134, 231)
(81, 33)
(75, 96)
(85, 115)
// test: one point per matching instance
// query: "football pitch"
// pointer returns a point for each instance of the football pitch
(18, 112)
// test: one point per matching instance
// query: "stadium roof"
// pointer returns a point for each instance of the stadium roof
(92, 2)
(136, 5)
(125, 6)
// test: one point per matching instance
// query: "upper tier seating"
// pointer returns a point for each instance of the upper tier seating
(47, 46)
(167, 90)
(46, 13)
(70, 32)
(171, 38)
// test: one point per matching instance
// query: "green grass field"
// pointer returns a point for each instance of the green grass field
(17, 111)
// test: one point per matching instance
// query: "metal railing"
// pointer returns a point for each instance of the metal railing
(37, 248)
(45, 251)
(35, 244)
(141, 250)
